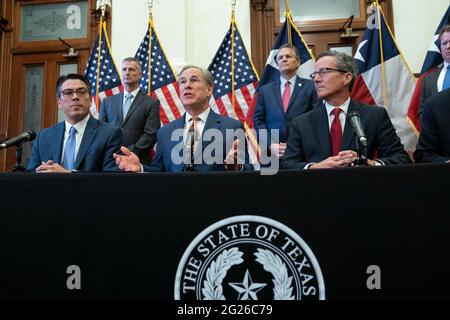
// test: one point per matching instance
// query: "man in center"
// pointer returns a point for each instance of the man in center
(207, 127)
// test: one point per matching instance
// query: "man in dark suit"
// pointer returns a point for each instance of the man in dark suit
(324, 138)
(438, 79)
(201, 140)
(282, 100)
(133, 111)
(434, 139)
(81, 142)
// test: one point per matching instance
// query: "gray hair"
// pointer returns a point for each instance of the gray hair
(209, 78)
(132, 59)
(344, 62)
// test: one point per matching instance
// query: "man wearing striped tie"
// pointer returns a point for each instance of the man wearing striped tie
(80, 142)
(201, 140)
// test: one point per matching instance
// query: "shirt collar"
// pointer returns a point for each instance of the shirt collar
(291, 80)
(344, 106)
(134, 92)
(203, 116)
(80, 126)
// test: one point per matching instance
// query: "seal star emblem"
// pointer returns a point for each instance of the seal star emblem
(247, 289)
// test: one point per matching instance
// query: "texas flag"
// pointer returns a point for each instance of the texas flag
(384, 77)
(432, 60)
(288, 34)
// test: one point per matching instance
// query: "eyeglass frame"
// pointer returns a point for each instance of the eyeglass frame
(68, 93)
(325, 70)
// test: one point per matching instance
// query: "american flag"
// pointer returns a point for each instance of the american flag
(245, 77)
(245, 81)
(159, 80)
(101, 64)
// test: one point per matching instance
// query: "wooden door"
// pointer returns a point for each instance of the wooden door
(30, 66)
(33, 93)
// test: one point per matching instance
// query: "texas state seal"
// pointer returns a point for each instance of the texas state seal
(248, 257)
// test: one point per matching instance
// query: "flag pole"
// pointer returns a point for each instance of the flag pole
(233, 102)
(383, 71)
(101, 4)
(288, 18)
(149, 53)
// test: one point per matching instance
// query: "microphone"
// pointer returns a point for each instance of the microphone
(189, 150)
(355, 121)
(23, 137)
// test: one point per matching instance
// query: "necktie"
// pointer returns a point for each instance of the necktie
(127, 104)
(192, 139)
(336, 132)
(446, 84)
(69, 151)
(286, 96)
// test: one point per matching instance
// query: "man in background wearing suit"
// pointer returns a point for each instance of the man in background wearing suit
(282, 100)
(211, 150)
(133, 111)
(434, 139)
(324, 138)
(81, 142)
(439, 79)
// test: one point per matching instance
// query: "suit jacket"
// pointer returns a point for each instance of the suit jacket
(429, 88)
(309, 140)
(139, 126)
(168, 148)
(100, 141)
(434, 139)
(269, 111)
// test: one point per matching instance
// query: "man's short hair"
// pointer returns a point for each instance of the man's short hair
(344, 62)
(132, 59)
(293, 48)
(72, 76)
(444, 29)
(209, 78)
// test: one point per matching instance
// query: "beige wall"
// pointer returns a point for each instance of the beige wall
(415, 23)
(192, 30)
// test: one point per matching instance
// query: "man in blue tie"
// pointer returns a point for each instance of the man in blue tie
(80, 142)
(439, 79)
(133, 111)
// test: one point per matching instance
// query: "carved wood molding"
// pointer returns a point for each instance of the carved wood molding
(4, 25)
(262, 5)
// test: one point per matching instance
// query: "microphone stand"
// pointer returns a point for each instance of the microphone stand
(361, 161)
(17, 167)
(190, 166)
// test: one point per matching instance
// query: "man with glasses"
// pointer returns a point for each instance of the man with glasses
(282, 100)
(81, 142)
(324, 138)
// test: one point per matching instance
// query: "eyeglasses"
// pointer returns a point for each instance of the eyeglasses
(81, 93)
(324, 71)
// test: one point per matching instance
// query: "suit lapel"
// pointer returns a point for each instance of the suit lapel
(276, 88)
(212, 121)
(348, 137)
(322, 129)
(295, 92)
(56, 148)
(175, 125)
(118, 108)
(137, 100)
(86, 141)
